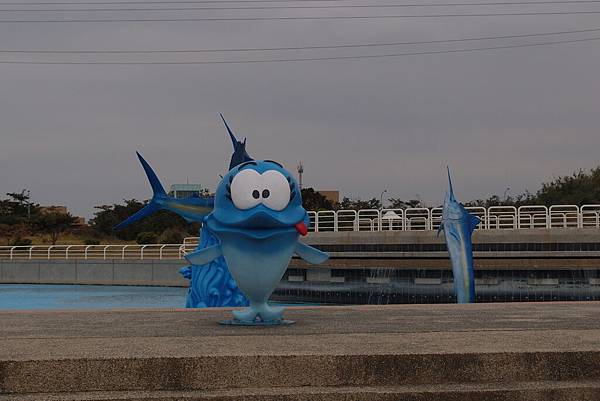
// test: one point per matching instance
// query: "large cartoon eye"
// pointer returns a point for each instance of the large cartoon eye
(276, 190)
(246, 189)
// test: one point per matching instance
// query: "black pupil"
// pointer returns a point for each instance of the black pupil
(266, 193)
(255, 194)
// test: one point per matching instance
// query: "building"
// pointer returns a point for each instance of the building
(80, 222)
(332, 196)
(53, 209)
(185, 190)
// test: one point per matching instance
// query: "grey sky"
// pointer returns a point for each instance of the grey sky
(509, 118)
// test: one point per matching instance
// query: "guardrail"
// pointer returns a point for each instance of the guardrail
(422, 219)
(412, 219)
(104, 252)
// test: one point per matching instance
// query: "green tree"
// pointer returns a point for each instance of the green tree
(313, 200)
(495, 200)
(172, 236)
(14, 216)
(53, 224)
(358, 204)
(146, 237)
(579, 188)
(108, 216)
(397, 203)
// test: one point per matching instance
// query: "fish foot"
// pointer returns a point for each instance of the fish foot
(261, 314)
(233, 322)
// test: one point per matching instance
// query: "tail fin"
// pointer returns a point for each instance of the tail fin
(157, 187)
(153, 206)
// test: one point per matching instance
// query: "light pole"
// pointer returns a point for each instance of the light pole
(506, 192)
(28, 204)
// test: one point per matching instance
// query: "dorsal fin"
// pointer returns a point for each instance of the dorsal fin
(234, 140)
(239, 155)
(451, 191)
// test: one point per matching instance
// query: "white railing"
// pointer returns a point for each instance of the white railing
(412, 219)
(492, 218)
(103, 252)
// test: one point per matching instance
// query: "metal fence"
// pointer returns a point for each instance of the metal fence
(492, 218)
(66, 252)
(412, 219)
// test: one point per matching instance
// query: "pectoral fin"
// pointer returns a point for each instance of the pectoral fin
(310, 254)
(474, 221)
(204, 255)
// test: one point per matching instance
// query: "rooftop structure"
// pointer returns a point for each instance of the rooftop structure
(185, 190)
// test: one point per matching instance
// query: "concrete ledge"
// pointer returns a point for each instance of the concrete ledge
(517, 351)
(578, 390)
(557, 235)
(92, 271)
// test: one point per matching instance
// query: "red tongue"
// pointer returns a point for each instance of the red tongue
(301, 227)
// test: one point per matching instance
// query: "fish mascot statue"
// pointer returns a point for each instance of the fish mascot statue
(250, 231)
(458, 226)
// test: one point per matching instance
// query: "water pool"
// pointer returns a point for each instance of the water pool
(41, 296)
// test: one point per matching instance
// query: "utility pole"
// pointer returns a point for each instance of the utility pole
(300, 172)
(28, 205)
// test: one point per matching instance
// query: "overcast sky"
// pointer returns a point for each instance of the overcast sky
(507, 118)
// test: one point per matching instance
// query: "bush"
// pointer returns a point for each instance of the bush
(146, 237)
(91, 242)
(20, 242)
(171, 236)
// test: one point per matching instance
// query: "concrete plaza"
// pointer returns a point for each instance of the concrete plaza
(518, 351)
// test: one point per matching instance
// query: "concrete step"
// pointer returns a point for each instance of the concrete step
(530, 391)
(293, 370)
(424, 352)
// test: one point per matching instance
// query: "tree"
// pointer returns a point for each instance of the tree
(313, 200)
(14, 216)
(397, 203)
(495, 200)
(108, 216)
(577, 189)
(17, 208)
(358, 204)
(172, 236)
(146, 237)
(53, 224)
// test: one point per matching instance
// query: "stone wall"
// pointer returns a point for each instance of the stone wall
(107, 272)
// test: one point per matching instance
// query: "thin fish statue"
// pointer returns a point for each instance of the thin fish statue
(458, 226)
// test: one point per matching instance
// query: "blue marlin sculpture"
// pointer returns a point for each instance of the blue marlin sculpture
(211, 285)
(458, 226)
(258, 218)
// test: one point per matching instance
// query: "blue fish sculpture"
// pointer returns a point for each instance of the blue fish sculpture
(258, 219)
(458, 226)
(191, 209)
(212, 284)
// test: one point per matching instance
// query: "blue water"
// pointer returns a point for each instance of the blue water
(39, 296)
